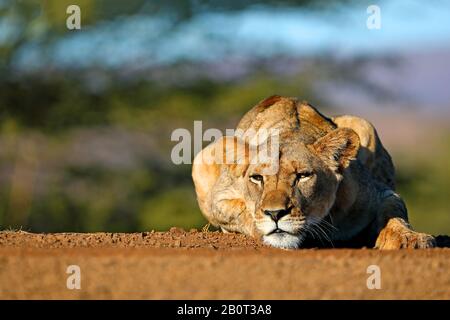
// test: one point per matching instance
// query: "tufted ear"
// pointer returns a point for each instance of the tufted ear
(337, 148)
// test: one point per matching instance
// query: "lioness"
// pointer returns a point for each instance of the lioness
(334, 185)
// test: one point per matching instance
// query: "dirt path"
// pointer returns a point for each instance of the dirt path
(198, 265)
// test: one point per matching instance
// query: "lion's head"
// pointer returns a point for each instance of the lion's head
(303, 190)
(285, 203)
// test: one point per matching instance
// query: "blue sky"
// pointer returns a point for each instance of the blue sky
(257, 32)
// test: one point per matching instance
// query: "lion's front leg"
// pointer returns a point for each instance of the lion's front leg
(394, 230)
(397, 234)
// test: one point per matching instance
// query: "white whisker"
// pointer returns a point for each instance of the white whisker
(320, 230)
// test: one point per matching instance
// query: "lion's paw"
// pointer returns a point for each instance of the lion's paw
(391, 240)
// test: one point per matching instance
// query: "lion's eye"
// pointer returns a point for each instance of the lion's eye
(256, 178)
(304, 176)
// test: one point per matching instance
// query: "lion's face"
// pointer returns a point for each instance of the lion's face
(293, 201)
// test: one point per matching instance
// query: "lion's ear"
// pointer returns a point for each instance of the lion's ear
(230, 151)
(337, 148)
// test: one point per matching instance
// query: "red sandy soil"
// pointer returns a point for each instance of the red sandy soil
(208, 265)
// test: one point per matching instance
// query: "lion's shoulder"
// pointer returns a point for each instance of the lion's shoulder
(372, 153)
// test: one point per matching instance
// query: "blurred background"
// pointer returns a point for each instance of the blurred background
(86, 115)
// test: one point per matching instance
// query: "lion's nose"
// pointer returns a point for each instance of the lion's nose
(276, 214)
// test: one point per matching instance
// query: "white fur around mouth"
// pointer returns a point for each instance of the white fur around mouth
(283, 240)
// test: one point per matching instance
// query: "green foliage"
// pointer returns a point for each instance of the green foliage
(424, 184)
(176, 207)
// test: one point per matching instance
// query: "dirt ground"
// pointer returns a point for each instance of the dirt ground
(208, 265)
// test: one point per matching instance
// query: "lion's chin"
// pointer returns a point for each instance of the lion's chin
(283, 240)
